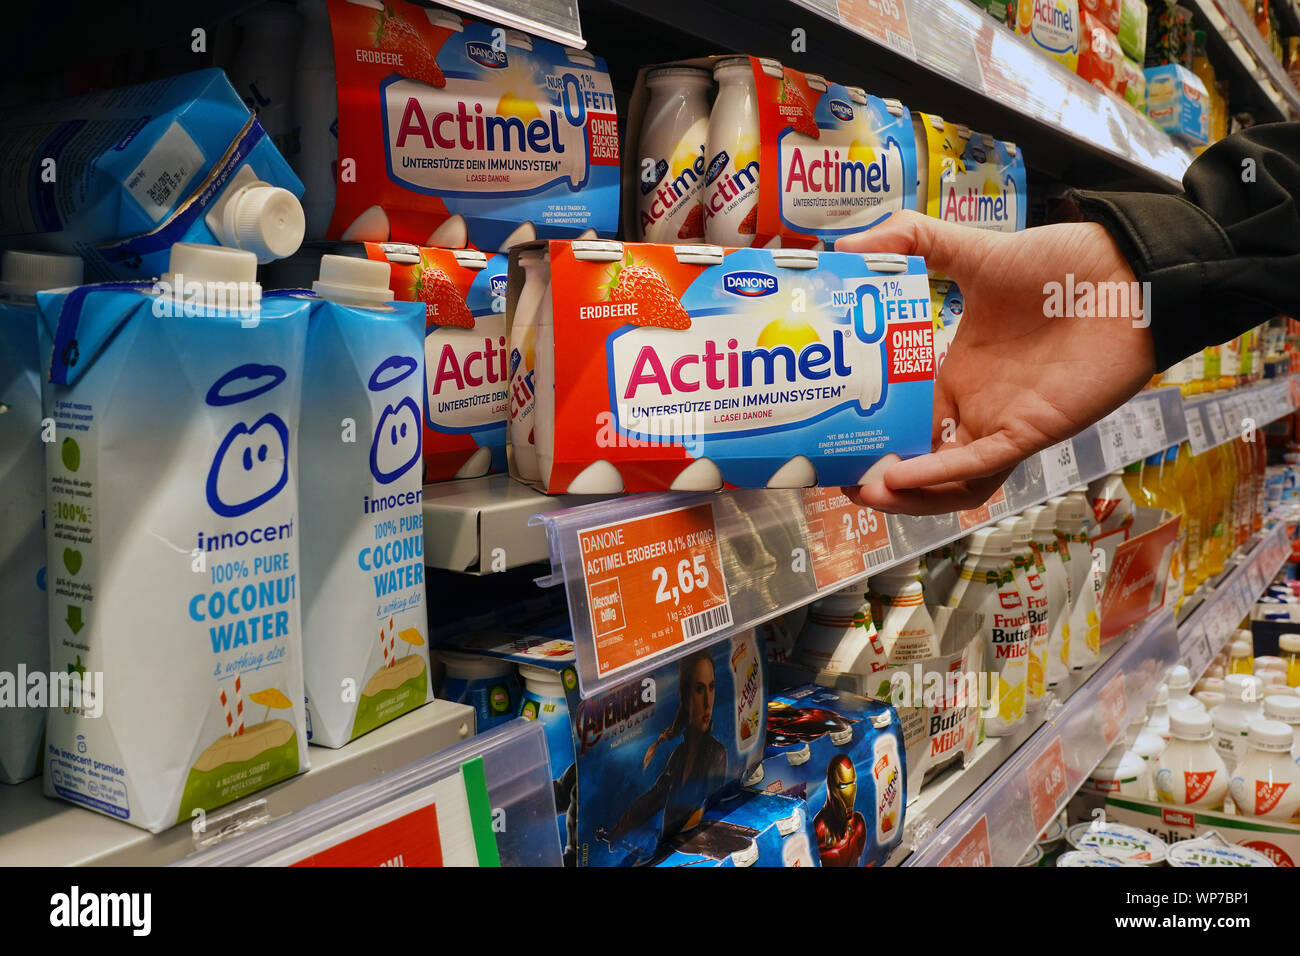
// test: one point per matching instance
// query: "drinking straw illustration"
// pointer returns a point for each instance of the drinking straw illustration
(270, 698)
(235, 715)
(388, 644)
(412, 638)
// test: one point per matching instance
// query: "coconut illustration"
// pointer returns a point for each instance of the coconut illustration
(400, 685)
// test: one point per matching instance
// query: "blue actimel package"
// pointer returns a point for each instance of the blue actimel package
(118, 176)
(657, 751)
(366, 649)
(173, 527)
(845, 756)
(749, 829)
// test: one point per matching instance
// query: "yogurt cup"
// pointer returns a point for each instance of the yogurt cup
(1214, 850)
(1117, 841)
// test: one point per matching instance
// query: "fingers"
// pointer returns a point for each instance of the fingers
(940, 499)
(981, 458)
(909, 233)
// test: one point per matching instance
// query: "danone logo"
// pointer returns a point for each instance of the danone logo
(716, 165)
(497, 285)
(750, 284)
(484, 55)
(841, 111)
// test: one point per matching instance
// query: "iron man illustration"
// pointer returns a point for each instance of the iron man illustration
(841, 830)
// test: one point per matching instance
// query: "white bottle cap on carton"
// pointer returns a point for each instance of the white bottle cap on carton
(1191, 725)
(1283, 707)
(23, 274)
(1242, 688)
(354, 281)
(265, 220)
(993, 542)
(218, 271)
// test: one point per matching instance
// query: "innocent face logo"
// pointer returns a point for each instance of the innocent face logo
(396, 445)
(252, 463)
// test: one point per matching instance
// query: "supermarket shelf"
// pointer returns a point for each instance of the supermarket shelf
(1002, 817)
(1225, 416)
(1250, 89)
(553, 19)
(512, 764)
(1228, 19)
(782, 549)
(1205, 631)
(481, 525)
(38, 831)
(946, 58)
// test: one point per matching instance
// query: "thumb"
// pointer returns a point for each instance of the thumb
(943, 245)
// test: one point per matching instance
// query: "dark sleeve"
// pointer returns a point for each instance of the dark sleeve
(1224, 255)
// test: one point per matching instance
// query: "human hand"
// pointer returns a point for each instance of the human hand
(1015, 380)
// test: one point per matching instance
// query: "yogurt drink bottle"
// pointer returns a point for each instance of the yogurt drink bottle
(1122, 772)
(1031, 581)
(523, 367)
(839, 638)
(1267, 781)
(1191, 773)
(987, 586)
(906, 629)
(1085, 620)
(732, 148)
(670, 168)
(1286, 708)
(24, 634)
(1158, 712)
(1049, 553)
(365, 651)
(1243, 693)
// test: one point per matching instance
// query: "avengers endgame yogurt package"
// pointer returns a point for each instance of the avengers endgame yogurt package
(172, 528)
(697, 368)
(451, 130)
(843, 755)
(788, 158)
(465, 376)
(970, 178)
(116, 177)
(748, 829)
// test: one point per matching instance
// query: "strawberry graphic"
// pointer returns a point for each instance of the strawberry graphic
(693, 227)
(639, 283)
(443, 303)
(749, 225)
(395, 34)
(796, 109)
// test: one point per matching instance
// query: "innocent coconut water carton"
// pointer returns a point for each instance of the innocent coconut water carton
(173, 523)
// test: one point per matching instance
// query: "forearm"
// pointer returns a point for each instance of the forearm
(1223, 256)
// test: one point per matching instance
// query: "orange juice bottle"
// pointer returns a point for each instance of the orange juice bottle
(1165, 494)
(1216, 492)
(1189, 490)
(1260, 451)
(1244, 489)
(1132, 476)
(1210, 374)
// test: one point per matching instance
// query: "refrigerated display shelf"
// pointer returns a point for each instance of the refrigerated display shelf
(943, 823)
(782, 549)
(556, 20)
(1228, 18)
(36, 830)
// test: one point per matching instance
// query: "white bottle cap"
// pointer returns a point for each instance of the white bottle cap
(678, 74)
(904, 573)
(1214, 684)
(1071, 512)
(1178, 680)
(354, 281)
(542, 680)
(23, 274)
(1289, 643)
(1270, 679)
(1042, 519)
(991, 542)
(1210, 698)
(215, 269)
(730, 63)
(1239, 649)
(1271, 735)
(1242, 688)
(1021, 530)
(1267, 663)
(1283, 707)
(266, 220)
(1161, 697)
(1192, 725)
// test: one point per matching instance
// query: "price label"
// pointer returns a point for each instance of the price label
(973, 848)
(1060, 468)
(1046, 778)
(1196, 431)
(1112, 443)
(1135, 437)
(412, 839)
(1218, 430)
(1197, 657)
(993, 509)
(1155, 424)
(653, 583)
(884, 21)
(1112, 705)
(844, 539)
